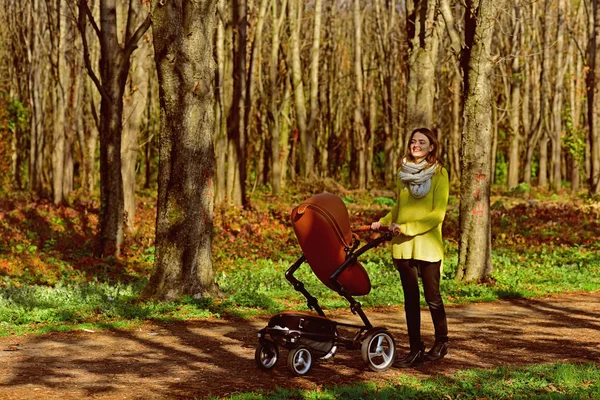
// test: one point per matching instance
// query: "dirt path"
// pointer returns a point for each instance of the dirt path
(197, 359)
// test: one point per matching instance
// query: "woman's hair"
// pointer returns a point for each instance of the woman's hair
(432, 156)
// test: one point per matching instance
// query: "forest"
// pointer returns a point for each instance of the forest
(280, 91)
(321, 89)
(151, 152)
(97, 95)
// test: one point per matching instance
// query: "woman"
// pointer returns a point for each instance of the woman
(422, 197)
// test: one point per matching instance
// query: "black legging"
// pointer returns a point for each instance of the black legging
(430, 275)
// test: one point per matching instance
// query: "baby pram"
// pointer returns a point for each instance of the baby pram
(331, 249)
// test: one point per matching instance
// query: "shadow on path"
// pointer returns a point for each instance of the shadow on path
(197, 359)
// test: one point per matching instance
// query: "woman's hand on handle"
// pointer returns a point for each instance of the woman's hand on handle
(395, 228)
(375, 226)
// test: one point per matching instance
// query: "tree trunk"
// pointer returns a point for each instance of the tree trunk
(222, 106)
(515, 103)
(455, 132)
(557, 105)
(236, 119)
(274, 123)
(313, 127)
(545, 93)
(543, 161)
(423, 46)
(474, 262)
(532, 89)
(576, 100)
(594, 102)
(295, 16)
(386, 52)
(134, 107)
(360, 130)
(254, 70)
(60, 93)
(36, 79)
(183, 48)
(114, 67)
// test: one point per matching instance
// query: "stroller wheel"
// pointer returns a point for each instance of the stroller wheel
(378, 350)
(266, 355)
(299, 360)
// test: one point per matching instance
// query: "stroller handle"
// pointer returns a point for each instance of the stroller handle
(364, 228)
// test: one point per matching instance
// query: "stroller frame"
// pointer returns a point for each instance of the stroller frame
(305, 334)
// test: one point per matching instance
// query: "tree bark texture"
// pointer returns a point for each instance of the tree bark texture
(295, 8)
(312, 129)
(515, 103)
(360, 130)
(183, 48)
(423, 25)
(274, 120)
(557, 101)
(236, 119)
(223, 79)
(594, 102)
(474, 262)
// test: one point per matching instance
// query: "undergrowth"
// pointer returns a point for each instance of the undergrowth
(50, 280)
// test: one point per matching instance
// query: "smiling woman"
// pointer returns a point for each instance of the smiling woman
(418, 250)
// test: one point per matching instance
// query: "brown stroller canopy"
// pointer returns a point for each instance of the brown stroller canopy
(322, 227)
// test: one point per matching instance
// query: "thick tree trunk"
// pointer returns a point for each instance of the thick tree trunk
(183, 48)
(475, 261)
(423, 19)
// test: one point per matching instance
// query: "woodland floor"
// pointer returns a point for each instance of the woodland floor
(202, 358)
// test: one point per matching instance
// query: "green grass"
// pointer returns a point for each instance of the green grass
(538, 249)
(523, 274)
(552, 381)
(41, 309)
(259, 287)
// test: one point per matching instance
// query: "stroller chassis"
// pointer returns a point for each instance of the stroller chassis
(307, 336)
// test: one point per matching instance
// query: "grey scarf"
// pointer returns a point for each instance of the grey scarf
(417, 177)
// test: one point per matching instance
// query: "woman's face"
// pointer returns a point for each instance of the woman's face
(420, 147)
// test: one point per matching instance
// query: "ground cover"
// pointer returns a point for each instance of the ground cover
(49, 279)
(51, 283)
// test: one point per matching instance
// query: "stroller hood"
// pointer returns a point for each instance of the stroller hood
(322, 227)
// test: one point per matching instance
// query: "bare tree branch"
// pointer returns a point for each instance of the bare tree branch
(83, 12)
(132, 43)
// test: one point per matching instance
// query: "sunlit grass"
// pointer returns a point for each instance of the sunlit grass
(261, 288)
(553, 381)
